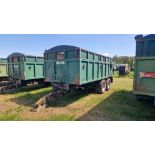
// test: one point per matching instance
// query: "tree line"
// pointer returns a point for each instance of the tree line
(125, 60)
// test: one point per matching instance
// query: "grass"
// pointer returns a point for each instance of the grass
(130, 75)
(117, 104)
(29, 95)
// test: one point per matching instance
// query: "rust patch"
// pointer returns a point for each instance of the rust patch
(77, 80)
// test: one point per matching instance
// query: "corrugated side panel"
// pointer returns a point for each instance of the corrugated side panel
(3, 67)
(3, 70)
(142, 84)
(64, 70)
(17, 70)
(49, 71)
(151, 48)
(94, 67)
(3, 60)
(145, 46)
(34, 71)
(30, 71)
(39, 71)
(38, 59)
(30, 59)
(73, 74)
(140, 48)
(76, 68)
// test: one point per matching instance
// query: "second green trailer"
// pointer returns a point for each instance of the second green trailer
(25, 69)
(3, 69)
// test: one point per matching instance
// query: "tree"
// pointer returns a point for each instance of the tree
(125, 60)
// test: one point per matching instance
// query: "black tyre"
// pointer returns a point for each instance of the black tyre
(141, 97)
(101, 87)
(23, 83)
(41, 82)
(138, 97)
(108, 83)
(154, 101)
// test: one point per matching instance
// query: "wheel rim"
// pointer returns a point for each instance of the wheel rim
(103, 90)
(108, 84)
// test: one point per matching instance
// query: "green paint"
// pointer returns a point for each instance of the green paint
(143, 85)
(26, 67)
(3, 67)
(77, 67)
(144, 62)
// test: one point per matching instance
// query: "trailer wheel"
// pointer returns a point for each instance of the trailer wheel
(139, 98)
(41, 82)
(23, 83)
(101, 87)
(108, 82)
(154, 101)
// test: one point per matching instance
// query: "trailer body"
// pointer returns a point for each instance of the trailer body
(123, 69)
(25, 68)
(75, 66)
(144, 78)
(3, 69)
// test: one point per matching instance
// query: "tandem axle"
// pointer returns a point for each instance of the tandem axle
(61, 89)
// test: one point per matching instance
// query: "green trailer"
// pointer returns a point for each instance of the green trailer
(144, 78)
(3, 69)
(69, 67)
(123, 69)
(24, 69)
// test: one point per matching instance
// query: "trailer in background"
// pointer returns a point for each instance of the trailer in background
(24, 69)
(123, 69)
(3, 69)
(144, 79)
